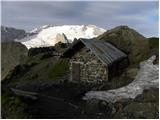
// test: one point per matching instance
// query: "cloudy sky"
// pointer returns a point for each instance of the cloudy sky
(142, 16)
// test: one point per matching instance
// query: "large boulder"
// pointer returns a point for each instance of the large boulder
(12, 54)
(61, 38)
(129, 41)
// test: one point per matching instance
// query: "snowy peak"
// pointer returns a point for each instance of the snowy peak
(36, 30)
(49, 35)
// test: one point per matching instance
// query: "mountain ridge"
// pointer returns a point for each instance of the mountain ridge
(9, 34)
(46, 35)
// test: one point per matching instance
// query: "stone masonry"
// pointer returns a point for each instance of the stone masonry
(91, 68)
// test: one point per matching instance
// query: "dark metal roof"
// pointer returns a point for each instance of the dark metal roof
(105, 51)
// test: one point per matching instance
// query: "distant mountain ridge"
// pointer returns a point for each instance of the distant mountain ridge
(9, 34)
(49, 35)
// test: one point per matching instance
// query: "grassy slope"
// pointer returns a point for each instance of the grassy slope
(59, 69)
(45, 72)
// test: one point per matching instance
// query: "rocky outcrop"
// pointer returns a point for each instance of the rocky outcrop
(146, 78)
(128, 40)
(13, 53)
(61, 38)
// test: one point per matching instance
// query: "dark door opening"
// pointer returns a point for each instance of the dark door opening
(76, 71)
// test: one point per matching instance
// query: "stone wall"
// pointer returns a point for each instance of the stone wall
(91, 68)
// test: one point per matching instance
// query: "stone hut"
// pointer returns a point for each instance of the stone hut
(95, 60)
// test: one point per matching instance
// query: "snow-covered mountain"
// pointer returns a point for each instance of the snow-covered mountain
(49, 35)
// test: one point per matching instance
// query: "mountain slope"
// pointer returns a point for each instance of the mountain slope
(128, 40)
(50, 35)
(9, 34)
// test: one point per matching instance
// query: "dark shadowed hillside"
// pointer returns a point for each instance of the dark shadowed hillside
(154, 47)
(153, 42)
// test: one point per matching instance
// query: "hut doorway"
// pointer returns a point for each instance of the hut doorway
(76, 71)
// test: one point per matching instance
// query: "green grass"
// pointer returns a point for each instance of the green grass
(33, 60)
(60, 68)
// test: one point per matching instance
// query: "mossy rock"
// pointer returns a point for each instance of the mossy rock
(148, 96)
(139, 110)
